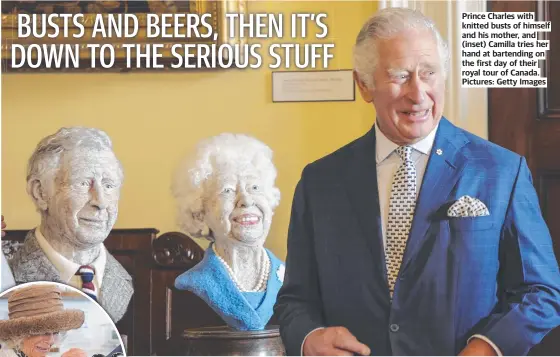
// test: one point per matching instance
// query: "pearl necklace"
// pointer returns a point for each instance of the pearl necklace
(263, 278)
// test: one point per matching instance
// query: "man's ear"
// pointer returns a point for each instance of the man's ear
(38, 194)
(364, 90)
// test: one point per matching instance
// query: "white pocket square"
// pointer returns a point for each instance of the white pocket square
(467, 206)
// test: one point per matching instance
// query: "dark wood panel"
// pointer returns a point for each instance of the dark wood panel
(511, 111)
(174, 311)
(550, 107)
(527, 121)
(546, 148)
(133, 249)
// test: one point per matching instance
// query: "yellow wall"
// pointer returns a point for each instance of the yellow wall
(154, 118)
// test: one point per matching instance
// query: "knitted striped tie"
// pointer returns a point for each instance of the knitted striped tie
(87, 273)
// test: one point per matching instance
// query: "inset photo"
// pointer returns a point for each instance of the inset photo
(51, 319)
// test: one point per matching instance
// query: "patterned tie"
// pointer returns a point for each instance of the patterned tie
(401, 212)
(87, 273)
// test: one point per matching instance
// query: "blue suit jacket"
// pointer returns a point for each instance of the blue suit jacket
(494, 275)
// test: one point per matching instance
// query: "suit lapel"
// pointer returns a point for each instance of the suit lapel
(445, 165)
(361, 185)
(116, 289)
(31, 263)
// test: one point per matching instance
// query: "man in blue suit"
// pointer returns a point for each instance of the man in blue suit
(418, 238)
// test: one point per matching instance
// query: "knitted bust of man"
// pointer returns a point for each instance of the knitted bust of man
(225, 192)
(74, 180)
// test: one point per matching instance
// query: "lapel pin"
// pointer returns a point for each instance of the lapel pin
(439, 151)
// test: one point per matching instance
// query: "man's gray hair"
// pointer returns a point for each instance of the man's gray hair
(386, 24)
(220, 153)
(45, 160)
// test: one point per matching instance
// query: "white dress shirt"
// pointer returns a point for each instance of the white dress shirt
(388, 162)
(67, 269)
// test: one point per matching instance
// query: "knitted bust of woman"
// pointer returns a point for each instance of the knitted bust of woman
(225, 192)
